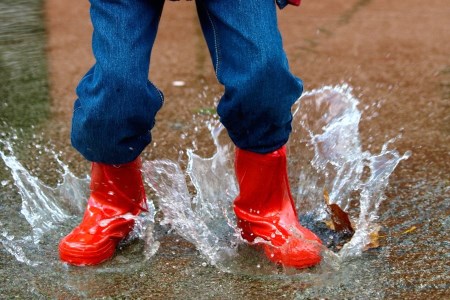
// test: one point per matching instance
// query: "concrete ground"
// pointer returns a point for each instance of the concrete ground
(394, 53)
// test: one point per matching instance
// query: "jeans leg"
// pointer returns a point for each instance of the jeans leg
(117, 104)
(248, 56)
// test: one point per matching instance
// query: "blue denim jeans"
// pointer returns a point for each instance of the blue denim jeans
(117, 104)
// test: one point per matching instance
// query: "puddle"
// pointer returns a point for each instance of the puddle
(325, 152)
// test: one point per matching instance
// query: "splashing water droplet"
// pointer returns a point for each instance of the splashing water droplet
(47, 209)
(324, 151)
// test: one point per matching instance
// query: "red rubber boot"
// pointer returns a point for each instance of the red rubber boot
(117, 196)
(265, 209)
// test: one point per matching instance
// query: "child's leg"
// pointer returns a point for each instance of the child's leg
(249, 59)
(116, 104)
(248, 56)
(111, 125)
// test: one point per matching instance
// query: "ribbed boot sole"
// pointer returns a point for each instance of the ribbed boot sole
(87, 258)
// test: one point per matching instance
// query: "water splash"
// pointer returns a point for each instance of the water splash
(15, 248)
(324, 153)
(42, 206)
(48, 209)
(205, 219)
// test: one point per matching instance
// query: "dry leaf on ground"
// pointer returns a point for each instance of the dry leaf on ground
(340, 219)
(374, 237)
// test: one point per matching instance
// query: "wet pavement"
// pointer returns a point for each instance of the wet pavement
(394, 55)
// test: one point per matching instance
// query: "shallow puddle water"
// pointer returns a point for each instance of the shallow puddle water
(193, 200)
(325, 153)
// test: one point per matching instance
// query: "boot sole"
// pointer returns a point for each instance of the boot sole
(86, 257)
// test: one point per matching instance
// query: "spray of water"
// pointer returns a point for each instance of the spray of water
(204, 219)
(48, 209)
(325, 152)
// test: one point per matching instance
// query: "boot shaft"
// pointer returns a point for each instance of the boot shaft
(118, 186)
(263, 183)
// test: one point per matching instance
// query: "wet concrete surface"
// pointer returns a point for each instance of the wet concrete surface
(394, 54)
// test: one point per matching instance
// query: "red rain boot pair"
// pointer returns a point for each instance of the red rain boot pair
(117, 196)
(265, 210)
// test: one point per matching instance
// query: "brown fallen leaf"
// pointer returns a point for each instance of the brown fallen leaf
(340, 219)
(374, 237)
